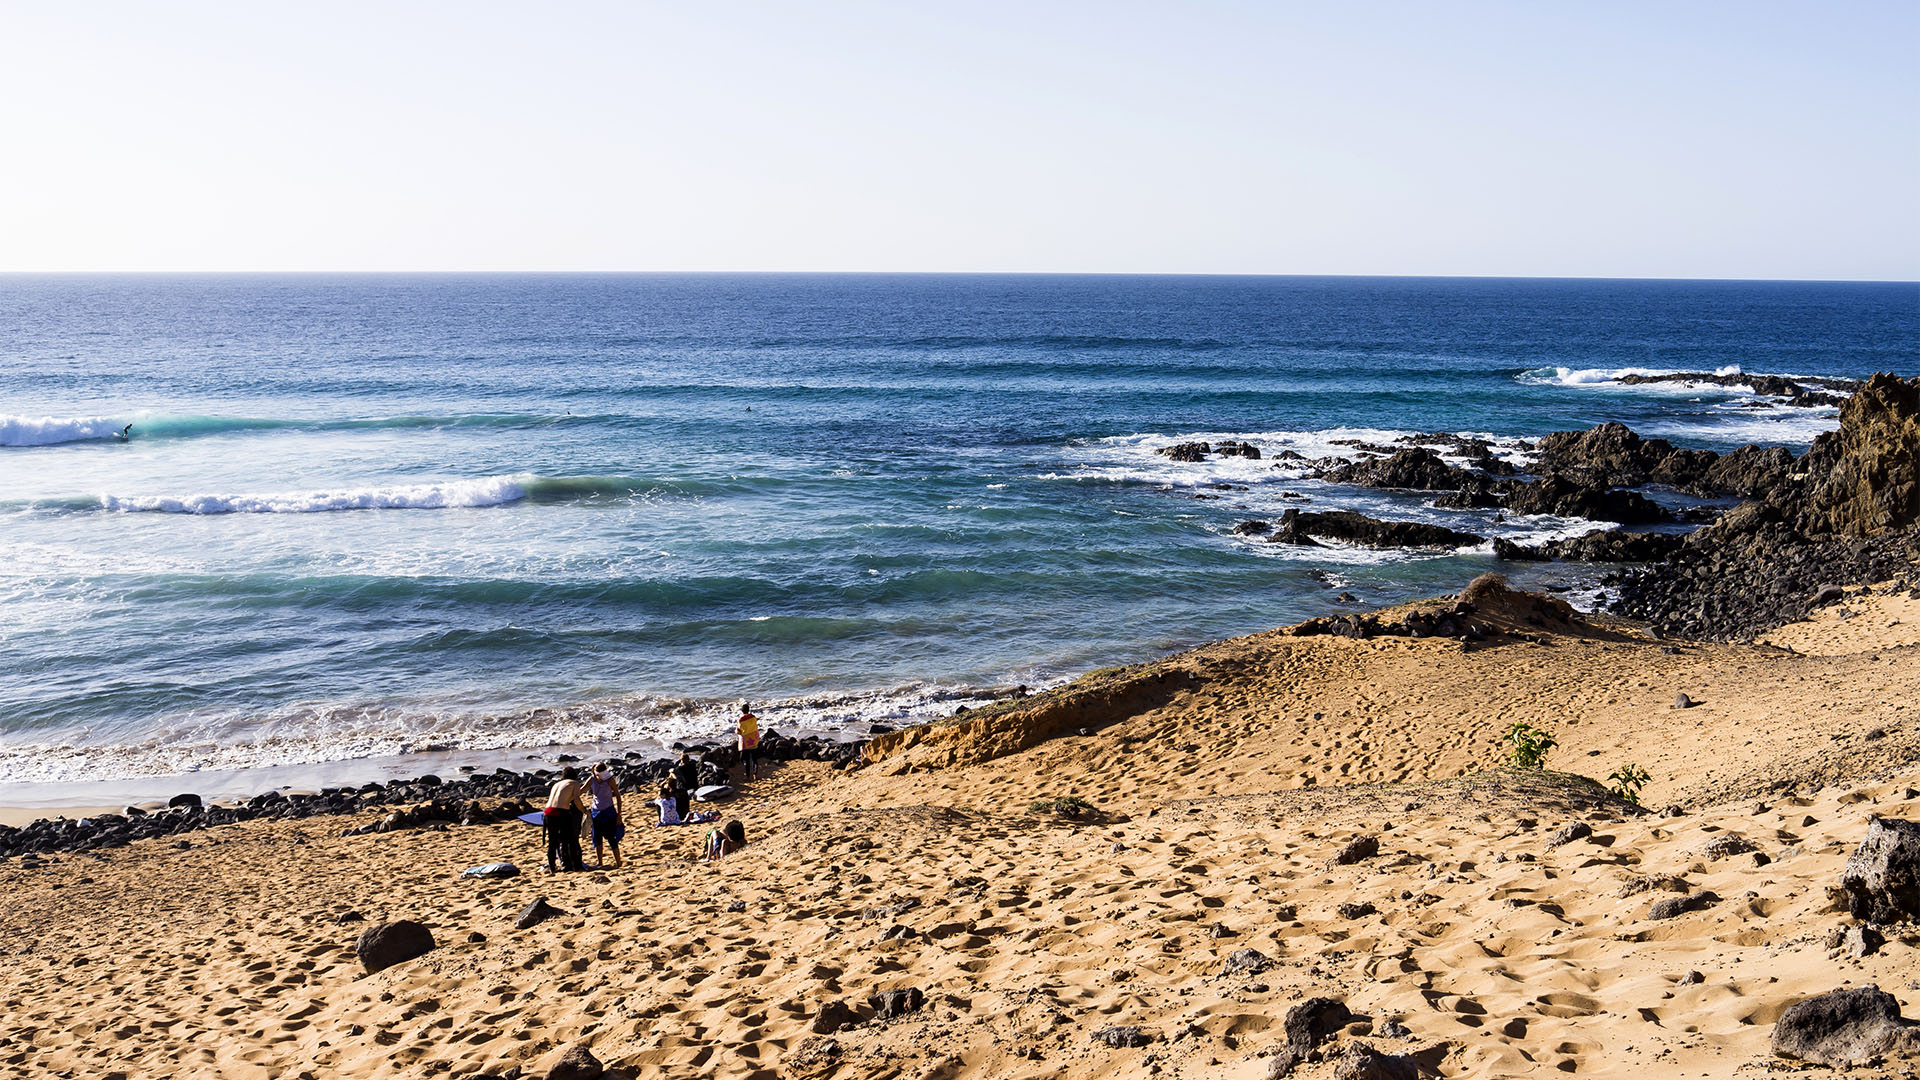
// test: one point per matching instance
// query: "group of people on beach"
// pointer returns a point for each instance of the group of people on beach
(595, 805)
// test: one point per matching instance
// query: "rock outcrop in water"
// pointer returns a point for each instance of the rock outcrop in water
(1847, 513)
(1806, 391)
(1302, 527)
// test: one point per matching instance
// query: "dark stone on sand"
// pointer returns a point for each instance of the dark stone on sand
(184, 799)
(1121, 1038)
(1844, 1028)
(1676, 906)
(476, 938)
(833, 1016)
(1682, 701)
(892, 1004)
(1882, 878)
(350, 917)
(535, 913)
(578, 1063)
(1568, 833)
(1363, 847)
(1721, 847)
(1356, 909)
(1361, 1061)
(1857, 942)
(380, 947)
(1246, 961)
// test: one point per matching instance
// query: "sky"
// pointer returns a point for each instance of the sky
(1619, 139)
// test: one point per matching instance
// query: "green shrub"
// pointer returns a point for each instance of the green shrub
(1530, 745)
(1627, 782)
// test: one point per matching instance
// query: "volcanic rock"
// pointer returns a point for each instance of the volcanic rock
(380, 947)
(1882, 878)
(1845, 1027)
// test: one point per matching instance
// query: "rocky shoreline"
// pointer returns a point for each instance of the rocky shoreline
(1845, 513)
(421, 802)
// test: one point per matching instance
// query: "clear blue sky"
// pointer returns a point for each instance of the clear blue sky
(1539, 138)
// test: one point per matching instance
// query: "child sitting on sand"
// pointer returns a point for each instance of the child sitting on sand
(726, 840)
(670, 812)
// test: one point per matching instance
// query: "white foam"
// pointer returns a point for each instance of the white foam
(1609, 379)
(486, 491)
(19, 430)
(1736, 423)
(1136, 458)
(311, 734)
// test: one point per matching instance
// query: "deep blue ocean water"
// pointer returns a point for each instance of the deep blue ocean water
(358, 515)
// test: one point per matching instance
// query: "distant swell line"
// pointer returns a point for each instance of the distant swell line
(443, 495)
(20, 430)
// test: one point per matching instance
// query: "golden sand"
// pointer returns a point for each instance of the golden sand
(1221, 782)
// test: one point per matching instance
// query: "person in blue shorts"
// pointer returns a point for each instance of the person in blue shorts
(609, 828)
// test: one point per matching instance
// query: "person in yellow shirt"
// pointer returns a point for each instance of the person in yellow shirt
(749, 732)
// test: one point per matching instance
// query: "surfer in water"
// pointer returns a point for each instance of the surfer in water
(125, 434)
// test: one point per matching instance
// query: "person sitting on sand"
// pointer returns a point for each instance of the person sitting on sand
(566, 804)
(748, 730)
(673, 812)
(672, 788)
(608, 825)
(726, 840)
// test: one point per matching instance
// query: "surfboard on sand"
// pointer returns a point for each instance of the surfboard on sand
(714, 793)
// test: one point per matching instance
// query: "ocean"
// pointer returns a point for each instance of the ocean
(366, 522)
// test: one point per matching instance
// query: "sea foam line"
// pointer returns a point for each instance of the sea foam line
(486, 491)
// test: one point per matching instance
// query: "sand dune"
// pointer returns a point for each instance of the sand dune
(1222, 783)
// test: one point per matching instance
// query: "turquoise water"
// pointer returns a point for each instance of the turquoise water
(359, 515)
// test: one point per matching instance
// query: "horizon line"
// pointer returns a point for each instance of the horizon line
(936, 273)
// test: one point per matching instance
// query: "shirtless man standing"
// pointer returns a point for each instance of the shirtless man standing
(566, 807)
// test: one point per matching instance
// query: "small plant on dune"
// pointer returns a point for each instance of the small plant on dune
(1627, 782)
(1064, 805)
(1530, 745)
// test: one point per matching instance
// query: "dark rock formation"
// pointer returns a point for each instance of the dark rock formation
(380, 947)
(1246, 961)
(1416, 469)
(1847, 514)
(892, 1004)
(833, 1016)
(1798, 391)
(1604, 545)
(1186, 451)
(1301, 527)
(1364, 847)
(1361, 1061)
(536, 912)
(578, 1063)
(1122, 1037)
(1565, 496)
(1882, 878)
(1845, 1027)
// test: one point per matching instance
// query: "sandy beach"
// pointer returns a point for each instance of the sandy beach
(1220, 784)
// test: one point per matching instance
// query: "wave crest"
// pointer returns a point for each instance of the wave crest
(487, 491)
